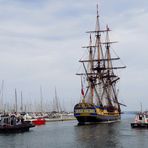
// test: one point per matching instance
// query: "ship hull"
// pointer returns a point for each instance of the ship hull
(90, 115)
(96, 119)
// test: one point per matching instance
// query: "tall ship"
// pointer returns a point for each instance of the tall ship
(99, 79)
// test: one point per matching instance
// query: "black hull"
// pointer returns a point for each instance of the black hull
(96, 119)
(16, 128)
(139, 125)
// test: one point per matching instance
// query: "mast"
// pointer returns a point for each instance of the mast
(16, 100)
(141, 107)
(109, 68)
(57, 102)
(21, 108)
(2, 93)
(98, 37)
(41, 97)
(91, 71)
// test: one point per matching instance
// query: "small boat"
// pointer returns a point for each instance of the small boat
(38, 121)
(35, 119)
(12, 124)
(141, 120)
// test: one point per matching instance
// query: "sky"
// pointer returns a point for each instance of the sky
(40, 46)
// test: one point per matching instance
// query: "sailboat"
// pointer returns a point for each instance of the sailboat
(99, 102)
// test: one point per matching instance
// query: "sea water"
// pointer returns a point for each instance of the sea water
(68, 134)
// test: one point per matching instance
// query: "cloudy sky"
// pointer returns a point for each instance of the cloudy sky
(41, 40)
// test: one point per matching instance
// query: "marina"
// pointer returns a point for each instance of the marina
(48, 99)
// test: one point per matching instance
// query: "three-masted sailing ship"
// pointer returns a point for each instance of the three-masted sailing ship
(99, 101)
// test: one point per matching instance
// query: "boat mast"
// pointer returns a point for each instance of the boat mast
(100, 62)
(41, 97)
(111, 78)
(21, 102)
(91, 86)
(109, 67)
(15, 100)
(56, 102)
(98, 37)
(92, 60)
(2, 93)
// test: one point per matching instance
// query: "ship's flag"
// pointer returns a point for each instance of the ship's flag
(82, 90)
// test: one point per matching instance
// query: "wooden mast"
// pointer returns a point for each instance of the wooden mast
(109, 67)
(91, 71)
(98, 35)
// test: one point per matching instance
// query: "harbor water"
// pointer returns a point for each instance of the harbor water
(68, 134)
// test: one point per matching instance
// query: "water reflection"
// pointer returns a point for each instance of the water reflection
(98, 135)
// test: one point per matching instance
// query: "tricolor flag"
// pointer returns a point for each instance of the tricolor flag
(82, 91)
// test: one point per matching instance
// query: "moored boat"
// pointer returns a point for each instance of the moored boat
(38, 121)
(99, 101)
(141, 120)
(11, 124)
